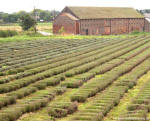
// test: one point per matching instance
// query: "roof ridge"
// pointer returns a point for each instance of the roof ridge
(97, 7)
(104, 12)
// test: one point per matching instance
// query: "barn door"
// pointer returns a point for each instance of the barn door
(87, 32)
(77, 27)
(107, 30)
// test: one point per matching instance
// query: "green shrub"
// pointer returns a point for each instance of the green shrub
(79, 98)
(60, 90)
(98, 117)
(1, 74)
(4, 117)
(57, 112)
(69, 73)
(135, 32)
(72, 108)
(72, 83)
(40, 85)
(62, 109)
(53, 81)
(32, 34)
(7, 100)
(8, 33)
(136, 107)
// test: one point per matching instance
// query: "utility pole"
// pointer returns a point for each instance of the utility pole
(34, 15)
(54, 14)
(34, 11)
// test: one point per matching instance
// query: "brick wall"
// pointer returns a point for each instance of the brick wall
(94, 26)
(119, 26)
(64, 21)
(136, 25)
(110, 26)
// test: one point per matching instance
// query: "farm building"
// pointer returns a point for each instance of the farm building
(99, 21)
(147, 25)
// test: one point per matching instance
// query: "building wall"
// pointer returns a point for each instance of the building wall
(95, 26)
(64, 21)
(110, 26)
(147, 26)
(119, 26)
(136, 25)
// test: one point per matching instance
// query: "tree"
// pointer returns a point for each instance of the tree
(28, 22)
(45, 15)
(54, 13)
(9, 18)
(21, 13)
(1, 15)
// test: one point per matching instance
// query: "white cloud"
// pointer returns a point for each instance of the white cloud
(16, 5)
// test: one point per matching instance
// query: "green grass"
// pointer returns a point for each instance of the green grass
(24, 37)
(40, 37)
(20, 38)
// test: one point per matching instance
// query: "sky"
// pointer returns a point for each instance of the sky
(11, 6)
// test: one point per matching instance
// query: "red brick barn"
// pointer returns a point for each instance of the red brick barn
(99, 21)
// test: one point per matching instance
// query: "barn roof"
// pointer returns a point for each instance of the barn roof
(104, 12)
(147, 15)
(70, 16)
(148, 19)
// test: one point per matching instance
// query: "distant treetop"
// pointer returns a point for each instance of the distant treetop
(41, 15)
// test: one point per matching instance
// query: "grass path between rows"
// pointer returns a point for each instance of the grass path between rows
(121, 108)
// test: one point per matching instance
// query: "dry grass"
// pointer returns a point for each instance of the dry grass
(41, 27)
(17, 28)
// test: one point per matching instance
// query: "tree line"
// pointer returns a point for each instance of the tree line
(145, 11)
(38, 14)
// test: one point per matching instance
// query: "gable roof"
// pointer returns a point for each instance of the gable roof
(104, 12)
(70, 16)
